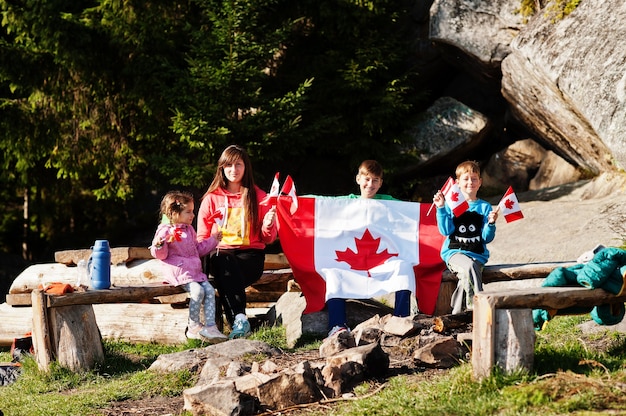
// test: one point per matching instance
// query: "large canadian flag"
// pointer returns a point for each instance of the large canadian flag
(361, 248)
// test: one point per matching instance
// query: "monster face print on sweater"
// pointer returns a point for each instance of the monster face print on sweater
(467, 233)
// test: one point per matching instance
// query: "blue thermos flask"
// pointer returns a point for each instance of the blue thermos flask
(100, 265)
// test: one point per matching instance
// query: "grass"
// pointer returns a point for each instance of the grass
(574, 373)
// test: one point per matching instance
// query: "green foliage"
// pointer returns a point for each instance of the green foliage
(106, 104)
(557, 9)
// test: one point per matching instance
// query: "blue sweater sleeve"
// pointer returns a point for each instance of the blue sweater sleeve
(445, 223)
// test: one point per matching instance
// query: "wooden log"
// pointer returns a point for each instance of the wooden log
(549, 298)
(41, 330)
(19, 299)
(514, 340)
(76, 341)
(134, 273)
(276, 261)
(442, 307)
(131, 294)
(132, 322)
(449, 322)
(119, 255)
(493, 312)
(495, 273)
(254, 296)
(483, 335)
(144, 323)
(507, 272)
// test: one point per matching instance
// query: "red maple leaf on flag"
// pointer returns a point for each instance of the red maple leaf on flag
(366, 256)
(454, 196)
(509, 204)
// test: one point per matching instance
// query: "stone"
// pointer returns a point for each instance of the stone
(482, 29)
(442, 352)
(564, 80)
(349, 367)
(447, 132)
(219, 399)
(553, 171)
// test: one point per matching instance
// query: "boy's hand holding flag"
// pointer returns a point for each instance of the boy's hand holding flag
(509, 206)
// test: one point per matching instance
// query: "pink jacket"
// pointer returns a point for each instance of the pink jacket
(222, 209)
(180, 257)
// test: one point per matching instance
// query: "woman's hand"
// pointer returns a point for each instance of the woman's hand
(270, 218)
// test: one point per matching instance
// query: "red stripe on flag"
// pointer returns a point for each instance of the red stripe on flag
(428, 273)
(297, 240)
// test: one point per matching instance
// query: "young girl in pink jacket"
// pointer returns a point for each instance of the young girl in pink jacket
(175, 245)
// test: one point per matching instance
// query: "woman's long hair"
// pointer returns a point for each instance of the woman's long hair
(248, 192)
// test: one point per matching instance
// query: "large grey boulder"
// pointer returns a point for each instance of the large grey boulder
(481, 29)
(566, 81)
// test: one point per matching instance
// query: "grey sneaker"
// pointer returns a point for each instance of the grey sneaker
(241, 329)
(193, 331)
(336, 330)
(212, 334)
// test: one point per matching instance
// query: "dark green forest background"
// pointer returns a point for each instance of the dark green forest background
(108, 104)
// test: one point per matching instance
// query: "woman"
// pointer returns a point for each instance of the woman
(232, 205)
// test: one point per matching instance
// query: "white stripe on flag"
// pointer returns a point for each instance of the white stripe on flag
(339, 226)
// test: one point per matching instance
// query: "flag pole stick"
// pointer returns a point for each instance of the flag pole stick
(430, 209)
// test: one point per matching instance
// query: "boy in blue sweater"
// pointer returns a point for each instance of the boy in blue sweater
(465, 248)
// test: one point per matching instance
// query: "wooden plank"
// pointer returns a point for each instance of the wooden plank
(136, 322)
(549, 297)
(119, 255)
(508, 272)
(514, 340)
(276, 261)
(483, 336)
(76, 341)
(19, 299)
(254, 296)
(41, 331)
(129, 294)
(135, 273)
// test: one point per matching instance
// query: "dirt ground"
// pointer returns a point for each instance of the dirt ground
(161, 406)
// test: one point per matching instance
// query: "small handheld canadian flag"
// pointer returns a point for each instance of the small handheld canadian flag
(289, 189)
(509, 206)
(454, 197)
(271, 198)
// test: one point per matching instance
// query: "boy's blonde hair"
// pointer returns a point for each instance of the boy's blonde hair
(370, 167)
(468, 166)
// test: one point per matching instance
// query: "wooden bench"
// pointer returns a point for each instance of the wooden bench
(503, 330)
(493, 273)
(64, 326)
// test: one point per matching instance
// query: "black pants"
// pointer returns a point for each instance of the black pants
(233, 271)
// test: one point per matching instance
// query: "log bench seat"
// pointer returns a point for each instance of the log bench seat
(503, 330)
(493, 273)
(65, 329)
